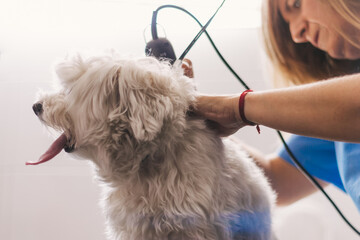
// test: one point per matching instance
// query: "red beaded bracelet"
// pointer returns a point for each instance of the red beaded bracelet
(242, 111)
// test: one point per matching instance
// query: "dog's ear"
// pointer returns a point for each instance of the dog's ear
(138, 111)
(145, 98)
(142, 118)
(70, 69)
(148, 112)
(143, 102)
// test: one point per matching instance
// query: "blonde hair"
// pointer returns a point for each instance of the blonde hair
(302, 63)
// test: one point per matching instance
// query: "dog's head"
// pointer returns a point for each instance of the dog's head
(106, 100)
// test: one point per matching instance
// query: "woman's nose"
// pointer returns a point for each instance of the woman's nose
(298, 30)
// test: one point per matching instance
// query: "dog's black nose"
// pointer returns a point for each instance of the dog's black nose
(38, 108)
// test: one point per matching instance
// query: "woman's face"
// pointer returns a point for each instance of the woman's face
(315, 21)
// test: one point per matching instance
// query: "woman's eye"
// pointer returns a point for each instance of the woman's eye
(297, 4)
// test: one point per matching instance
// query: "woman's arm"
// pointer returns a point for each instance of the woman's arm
(289, 184)
(328, 109)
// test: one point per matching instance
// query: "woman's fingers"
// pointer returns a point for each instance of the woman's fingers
(188, 69)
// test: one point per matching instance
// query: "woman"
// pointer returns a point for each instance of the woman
(307, 41)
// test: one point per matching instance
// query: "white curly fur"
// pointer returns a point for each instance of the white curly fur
(165, 175)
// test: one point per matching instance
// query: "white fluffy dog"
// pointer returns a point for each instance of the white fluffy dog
(165, 174)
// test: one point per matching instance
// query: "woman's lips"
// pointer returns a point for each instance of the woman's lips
(315, 40)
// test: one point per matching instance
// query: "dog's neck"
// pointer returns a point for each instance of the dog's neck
(169, 173)
(167, 157)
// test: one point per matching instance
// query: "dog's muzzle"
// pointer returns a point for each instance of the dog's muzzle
(62, 142)
(38, 110)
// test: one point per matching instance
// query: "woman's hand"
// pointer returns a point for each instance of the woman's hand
(188, 69)
(221, 111)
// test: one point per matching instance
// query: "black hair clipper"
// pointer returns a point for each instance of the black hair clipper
(161, 49)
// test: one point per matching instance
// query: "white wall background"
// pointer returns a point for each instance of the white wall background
(59, 200)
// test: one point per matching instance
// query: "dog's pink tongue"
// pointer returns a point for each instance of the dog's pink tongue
(54, 150)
